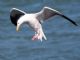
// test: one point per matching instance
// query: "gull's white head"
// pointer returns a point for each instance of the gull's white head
(16, 17)
(19, 23)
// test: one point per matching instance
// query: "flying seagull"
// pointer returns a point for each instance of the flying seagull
(34, 20)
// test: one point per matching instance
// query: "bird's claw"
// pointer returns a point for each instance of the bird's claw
(37, 37)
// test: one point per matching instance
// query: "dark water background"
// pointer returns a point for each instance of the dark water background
(63, 37)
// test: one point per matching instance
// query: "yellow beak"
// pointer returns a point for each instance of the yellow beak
(17, 28)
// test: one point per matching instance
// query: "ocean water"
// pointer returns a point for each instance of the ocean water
(63, 38)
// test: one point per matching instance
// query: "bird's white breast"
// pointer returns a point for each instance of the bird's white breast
(32, 21)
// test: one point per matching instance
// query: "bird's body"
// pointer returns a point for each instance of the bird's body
(34, 20)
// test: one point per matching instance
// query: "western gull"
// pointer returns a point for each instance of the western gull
(18, 17)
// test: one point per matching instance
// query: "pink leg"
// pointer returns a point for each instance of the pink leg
(35, 37)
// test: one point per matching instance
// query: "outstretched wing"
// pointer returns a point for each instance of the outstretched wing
(47, 13)
(15, 14)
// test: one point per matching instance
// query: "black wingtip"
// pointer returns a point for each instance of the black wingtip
(70, 20)
(15, 14)
(75, 24)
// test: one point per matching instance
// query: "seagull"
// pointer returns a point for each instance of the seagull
(34, 20)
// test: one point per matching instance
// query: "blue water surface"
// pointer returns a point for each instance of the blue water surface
(63, 38)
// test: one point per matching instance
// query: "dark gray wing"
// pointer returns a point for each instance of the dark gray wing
(47, 13)
(15, 14)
